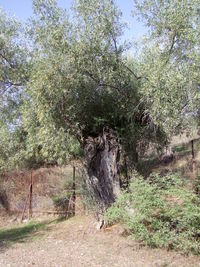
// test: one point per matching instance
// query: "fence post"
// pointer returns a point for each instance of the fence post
(74, 191)
(193, 156)
(31, 197)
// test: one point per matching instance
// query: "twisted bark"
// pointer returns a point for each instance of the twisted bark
(101, 169)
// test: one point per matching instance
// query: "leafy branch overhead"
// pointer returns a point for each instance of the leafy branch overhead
(66, 76)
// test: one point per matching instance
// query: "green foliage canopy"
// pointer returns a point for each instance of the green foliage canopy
(72, 76)
(169, 63)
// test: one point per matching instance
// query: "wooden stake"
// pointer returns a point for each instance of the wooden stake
(31, 197)
(193, 156)
(68, 208)
(74, 192)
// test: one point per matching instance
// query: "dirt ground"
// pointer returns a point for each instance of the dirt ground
(76, 242)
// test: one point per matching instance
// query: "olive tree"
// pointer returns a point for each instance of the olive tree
(82, 84)
(78, 85)
(169, 62)
(13, 76)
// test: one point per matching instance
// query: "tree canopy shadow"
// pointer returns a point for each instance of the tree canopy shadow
(21, 234)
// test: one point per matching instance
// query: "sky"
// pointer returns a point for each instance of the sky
(22, 9)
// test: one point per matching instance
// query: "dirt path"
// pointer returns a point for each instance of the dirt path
(77, 243)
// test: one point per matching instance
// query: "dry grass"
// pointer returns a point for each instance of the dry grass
(47, 182)
(77, 243)
(182, 162)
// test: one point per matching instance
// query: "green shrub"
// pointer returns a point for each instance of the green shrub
(160, 212)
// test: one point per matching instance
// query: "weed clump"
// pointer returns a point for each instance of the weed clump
(160, 212)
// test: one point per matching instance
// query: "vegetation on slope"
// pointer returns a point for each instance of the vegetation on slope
(160, 212)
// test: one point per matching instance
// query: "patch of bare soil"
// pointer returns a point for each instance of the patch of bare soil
(76, 242)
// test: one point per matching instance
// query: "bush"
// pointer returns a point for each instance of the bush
(160, 212)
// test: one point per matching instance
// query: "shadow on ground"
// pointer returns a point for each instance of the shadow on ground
(22, 234)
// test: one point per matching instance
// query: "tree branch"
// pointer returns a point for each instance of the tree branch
(7, 86)
(132, 72)
(5, 58)
(102, 83)
(9, 83)
(171, 47)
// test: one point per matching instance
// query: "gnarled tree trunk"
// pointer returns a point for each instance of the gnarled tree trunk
(101, 169)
